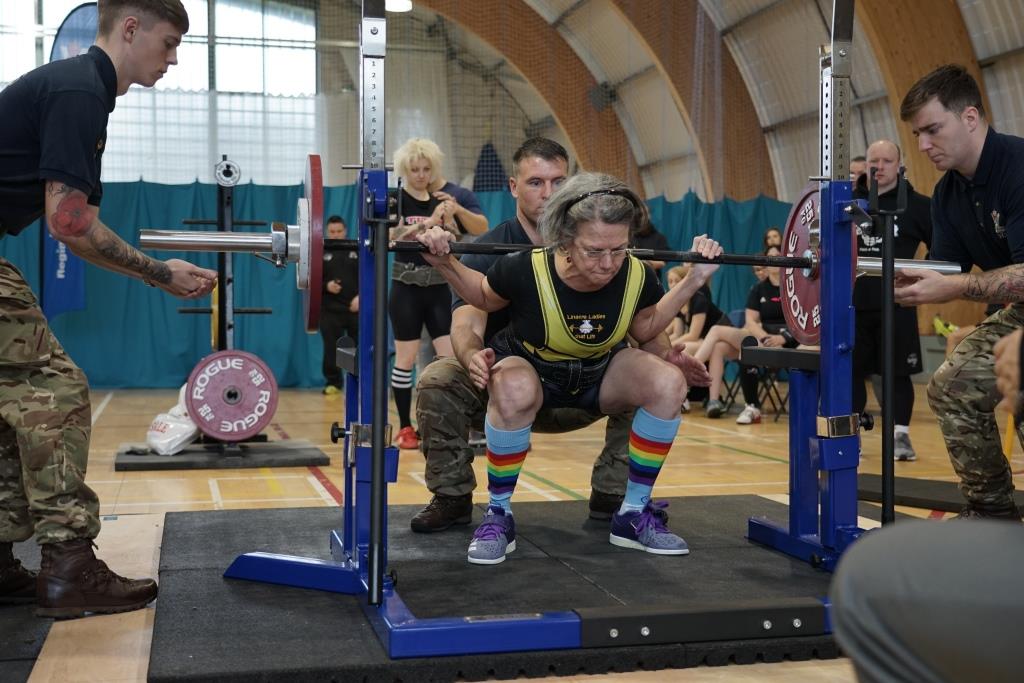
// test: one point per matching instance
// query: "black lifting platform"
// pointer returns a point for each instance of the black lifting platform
(729, 601)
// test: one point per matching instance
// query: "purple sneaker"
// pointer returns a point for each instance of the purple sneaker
(494, 538)
(646, 530)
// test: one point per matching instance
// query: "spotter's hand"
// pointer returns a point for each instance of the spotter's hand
(709, 249)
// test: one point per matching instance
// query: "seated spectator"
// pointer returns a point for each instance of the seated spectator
(696, 317)
(764, 325)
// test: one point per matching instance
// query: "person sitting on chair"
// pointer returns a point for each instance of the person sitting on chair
(764, 325)
(565, 345)
(697, 316)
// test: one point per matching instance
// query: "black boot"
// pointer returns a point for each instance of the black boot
(1007, 513)
(73, 583)
(442, 512)
(604, 505)
(17, 584)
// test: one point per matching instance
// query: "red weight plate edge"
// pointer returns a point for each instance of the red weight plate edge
(315, 194)
(255, 360)
(813, 335)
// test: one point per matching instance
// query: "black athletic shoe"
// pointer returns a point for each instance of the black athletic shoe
(1010, 513)
(442, 512)
(604, 505)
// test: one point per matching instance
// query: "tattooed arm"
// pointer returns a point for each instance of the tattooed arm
(1003, 285)
(74, 222)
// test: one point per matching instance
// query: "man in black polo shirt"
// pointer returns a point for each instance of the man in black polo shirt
(910, 230)
(51, 142)
(977, 220)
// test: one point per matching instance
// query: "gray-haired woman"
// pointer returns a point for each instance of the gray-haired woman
(572, 306)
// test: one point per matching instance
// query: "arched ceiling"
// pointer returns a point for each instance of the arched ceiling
(623, 67)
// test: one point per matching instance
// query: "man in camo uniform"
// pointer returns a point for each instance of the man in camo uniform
(448, 404)
(978, 219)
(52, 140)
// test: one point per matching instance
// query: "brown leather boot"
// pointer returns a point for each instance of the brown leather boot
(442, 512)
(73, 583)
(17, 584)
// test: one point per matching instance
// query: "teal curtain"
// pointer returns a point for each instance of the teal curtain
(131, 335)
(738, 226)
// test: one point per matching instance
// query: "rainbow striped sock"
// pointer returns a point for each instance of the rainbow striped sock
(650, 439)
(506, 451)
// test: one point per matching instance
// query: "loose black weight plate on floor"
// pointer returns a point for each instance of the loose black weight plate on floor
(213, 629)
(928, 494)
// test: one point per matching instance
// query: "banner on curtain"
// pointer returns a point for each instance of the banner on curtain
(63, 273)
(63, 278)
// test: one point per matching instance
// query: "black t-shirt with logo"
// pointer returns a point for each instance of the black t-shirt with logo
(590, 316)
(765, 298)
(509, 232)
(701, 302)
(53, 126)
(909, 230)
(415, 211)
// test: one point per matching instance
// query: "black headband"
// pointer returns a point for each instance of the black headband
(586, 195)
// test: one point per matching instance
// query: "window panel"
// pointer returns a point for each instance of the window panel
(290, 71)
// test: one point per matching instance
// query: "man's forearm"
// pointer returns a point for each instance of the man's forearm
(1000, 286)
(72, 221)
(465, 343)
(102, 247)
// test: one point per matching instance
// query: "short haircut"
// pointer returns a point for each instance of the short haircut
(859, 157)
(336, 219)
(951, 84)
(899, 152)
(587, 197)
(542, 148)
(149, 12)
(419, 148)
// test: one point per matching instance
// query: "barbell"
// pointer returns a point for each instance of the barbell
(304, 245)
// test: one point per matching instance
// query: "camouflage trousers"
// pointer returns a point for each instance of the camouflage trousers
(963, 395)
(448, 406)
(45, 421)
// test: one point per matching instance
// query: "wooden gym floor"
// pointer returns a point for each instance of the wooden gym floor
(709, 457)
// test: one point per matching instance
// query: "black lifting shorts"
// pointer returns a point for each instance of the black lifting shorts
(412, 307)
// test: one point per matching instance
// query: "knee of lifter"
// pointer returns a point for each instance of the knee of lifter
(514, 391)
(671, 383)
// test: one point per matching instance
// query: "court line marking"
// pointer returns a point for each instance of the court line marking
(232, 501)
(319, 488)
(101, 407)
(557, 487)
(705, 442)
(218, 500)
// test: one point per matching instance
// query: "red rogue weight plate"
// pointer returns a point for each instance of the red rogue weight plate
(800, 293)
(231, 395)
(313, 246)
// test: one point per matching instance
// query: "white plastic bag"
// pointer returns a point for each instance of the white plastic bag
(170, 432)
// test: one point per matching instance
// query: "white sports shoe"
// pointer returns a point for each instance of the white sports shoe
(750, 415)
